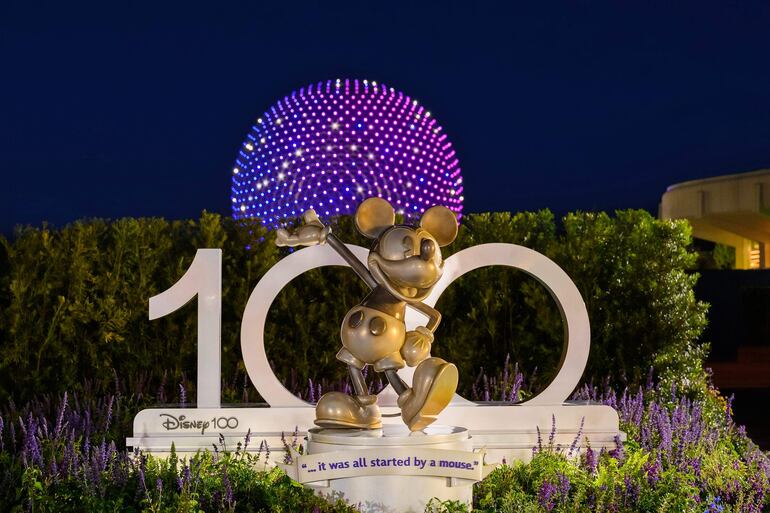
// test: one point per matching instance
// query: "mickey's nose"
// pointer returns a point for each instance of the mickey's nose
(427, 249)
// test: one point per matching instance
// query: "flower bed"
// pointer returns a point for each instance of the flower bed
(682, 454)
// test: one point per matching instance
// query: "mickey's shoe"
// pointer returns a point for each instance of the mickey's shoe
(433, 385)
(337, 410)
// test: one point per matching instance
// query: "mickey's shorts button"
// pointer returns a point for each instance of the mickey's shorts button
(377, 326)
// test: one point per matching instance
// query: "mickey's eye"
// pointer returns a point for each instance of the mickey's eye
(408, 246)
(398, 243)
(427, 249)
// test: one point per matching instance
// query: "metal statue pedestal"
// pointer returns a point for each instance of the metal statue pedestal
(390, 469)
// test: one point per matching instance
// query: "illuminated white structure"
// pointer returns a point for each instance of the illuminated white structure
(733, 210)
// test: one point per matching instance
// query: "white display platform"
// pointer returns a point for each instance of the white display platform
(507, 433)
(376, 469)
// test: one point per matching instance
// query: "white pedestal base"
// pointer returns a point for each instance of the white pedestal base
(382, 493)
(506, 432)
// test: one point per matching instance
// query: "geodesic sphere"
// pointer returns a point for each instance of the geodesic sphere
(333, 144)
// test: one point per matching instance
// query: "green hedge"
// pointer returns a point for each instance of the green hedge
(74, 302)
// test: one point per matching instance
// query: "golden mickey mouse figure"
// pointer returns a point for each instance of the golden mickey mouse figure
(403, 266)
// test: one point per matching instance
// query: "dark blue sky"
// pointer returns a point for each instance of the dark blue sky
(138, 109)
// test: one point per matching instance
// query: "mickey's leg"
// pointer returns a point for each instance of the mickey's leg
(433, 386)
(338, 410)
(357, 378)
(395, 381)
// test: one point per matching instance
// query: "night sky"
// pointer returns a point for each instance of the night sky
(138, 109)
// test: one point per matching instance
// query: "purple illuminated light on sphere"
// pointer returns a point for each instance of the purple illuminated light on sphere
(331, 145)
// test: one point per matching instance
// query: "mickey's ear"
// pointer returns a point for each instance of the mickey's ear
(374, 216)
(441, 223)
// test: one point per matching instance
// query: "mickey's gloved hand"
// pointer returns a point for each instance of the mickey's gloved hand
(309, 234)
(416, 347)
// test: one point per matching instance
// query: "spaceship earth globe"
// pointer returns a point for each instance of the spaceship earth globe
(331, 145)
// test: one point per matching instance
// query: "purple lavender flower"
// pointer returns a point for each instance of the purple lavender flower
(576, 441)
(87, 446)
(518, 383)
(619, 452)
(31, 449)
(729, 410)
(12, 433)
(650, 374)
(590, 462)
(87, 422)
(247, 439)
(260, 448)
(552, 436)
(653, 471)
(287, 459)
(70, 459)
(311, 391)
(23, 428)
(564, 486)
(108, 416)
(631, 492)
(60, 418)
(102, 455)
(695, 465)
(182, 395)
(228, 487)
(546, 496)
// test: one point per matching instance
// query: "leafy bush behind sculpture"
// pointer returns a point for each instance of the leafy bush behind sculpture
(74, 302)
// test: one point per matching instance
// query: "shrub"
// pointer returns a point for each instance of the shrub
(75, 303)
(678, 458)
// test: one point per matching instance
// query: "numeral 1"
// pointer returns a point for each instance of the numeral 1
(204, 280)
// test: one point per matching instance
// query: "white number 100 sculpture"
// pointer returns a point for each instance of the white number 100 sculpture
(488, 424)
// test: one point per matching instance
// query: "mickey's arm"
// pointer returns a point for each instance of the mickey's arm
(434, 316)
(418, 342)
(347, 255)
(312, 233)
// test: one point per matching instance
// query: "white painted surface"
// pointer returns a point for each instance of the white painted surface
(204, 280)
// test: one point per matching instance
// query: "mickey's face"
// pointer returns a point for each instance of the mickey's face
(405, 260)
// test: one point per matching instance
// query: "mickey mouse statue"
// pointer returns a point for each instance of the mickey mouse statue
(403, 266)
